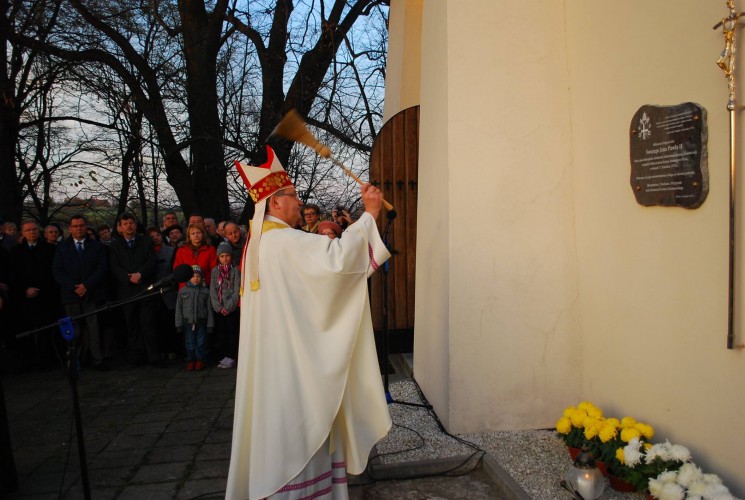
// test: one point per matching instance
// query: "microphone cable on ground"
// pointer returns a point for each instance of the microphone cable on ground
(457, 470)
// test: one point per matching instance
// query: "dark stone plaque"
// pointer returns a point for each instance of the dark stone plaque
(668, 155)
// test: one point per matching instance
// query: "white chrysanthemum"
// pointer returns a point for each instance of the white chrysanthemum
(697, 488)
(680, 453)
(669, 476)
(718, 491)
(634, 443)
(632, 457)
(655, 487)
(671, 491)
(712, 479)
(631, 454)
(659, 450)
(688, 473)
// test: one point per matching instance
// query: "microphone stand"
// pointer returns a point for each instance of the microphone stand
(391, 216)
(67, 330)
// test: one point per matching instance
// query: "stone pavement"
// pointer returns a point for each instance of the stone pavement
(165, 433)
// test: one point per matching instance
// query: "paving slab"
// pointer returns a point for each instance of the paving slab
(158, 434)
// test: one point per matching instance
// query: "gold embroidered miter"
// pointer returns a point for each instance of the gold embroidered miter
(262, 182)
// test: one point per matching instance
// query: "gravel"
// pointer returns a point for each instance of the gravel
(536, 459)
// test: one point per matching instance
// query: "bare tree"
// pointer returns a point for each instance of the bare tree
(18, 85)
(212, 84)
(281, 48)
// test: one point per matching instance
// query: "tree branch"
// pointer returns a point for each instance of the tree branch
(50, 119)
(344, 138)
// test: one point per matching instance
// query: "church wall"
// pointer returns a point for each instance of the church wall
(402, 71)
(653, 281)
(540, 280)
(432, 312)
(511, 330)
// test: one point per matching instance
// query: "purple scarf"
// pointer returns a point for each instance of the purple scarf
(223, 276)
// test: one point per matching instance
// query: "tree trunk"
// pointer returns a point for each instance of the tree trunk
(10, 198)
(201, 33)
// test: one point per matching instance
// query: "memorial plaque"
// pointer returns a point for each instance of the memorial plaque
(668, 155)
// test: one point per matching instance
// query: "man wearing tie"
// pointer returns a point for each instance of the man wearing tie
(133, 264)
(80, 268)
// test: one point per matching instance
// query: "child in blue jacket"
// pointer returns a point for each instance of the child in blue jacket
(195, 318)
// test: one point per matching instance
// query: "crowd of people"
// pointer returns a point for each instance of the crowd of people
(309, 404)
(100, 276)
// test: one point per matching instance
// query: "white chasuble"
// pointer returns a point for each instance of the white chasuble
(307, 359)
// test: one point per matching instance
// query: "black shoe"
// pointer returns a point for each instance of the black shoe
(158, 364)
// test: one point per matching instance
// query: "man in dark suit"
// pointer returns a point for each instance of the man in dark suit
(5, 241)
(80, 268)
(133, 264)
(34, 293)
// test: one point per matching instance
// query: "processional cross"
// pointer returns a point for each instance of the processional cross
(726, 61)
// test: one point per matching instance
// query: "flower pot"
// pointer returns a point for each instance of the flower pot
(573, 452)
(603, 467)
(619, 484)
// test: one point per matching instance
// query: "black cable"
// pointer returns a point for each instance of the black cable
(421, 444)
(221, 494)
(478, 451)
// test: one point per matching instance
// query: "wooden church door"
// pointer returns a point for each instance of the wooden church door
(394, 169)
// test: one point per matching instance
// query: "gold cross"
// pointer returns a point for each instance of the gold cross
(726, 59)
(726, 62)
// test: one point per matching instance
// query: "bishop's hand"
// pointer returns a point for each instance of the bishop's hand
(372, 197)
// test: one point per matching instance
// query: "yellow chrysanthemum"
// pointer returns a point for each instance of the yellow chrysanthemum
(578, 416)
(646, 430)
(630, 433)
(591, 431)
(607, 432)
(613, 421)
(585, 405)
(564, 425)
(628, 422)
(568, 411)
(647, 445)
(595, 412)
(619, 455)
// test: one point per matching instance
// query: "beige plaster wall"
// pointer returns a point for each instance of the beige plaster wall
(540, 280)
(496, 217)
(653, 280)
(402, 71)
(432, 313)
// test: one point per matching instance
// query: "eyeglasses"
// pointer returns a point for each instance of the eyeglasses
(293, 194)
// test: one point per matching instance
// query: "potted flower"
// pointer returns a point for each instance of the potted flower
(668, 472)
(687, 482)
(644, 463)
(606, 442)
(626, 431)
(571, 426)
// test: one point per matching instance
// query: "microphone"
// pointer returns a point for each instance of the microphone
(181, 274)
(391, 214)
